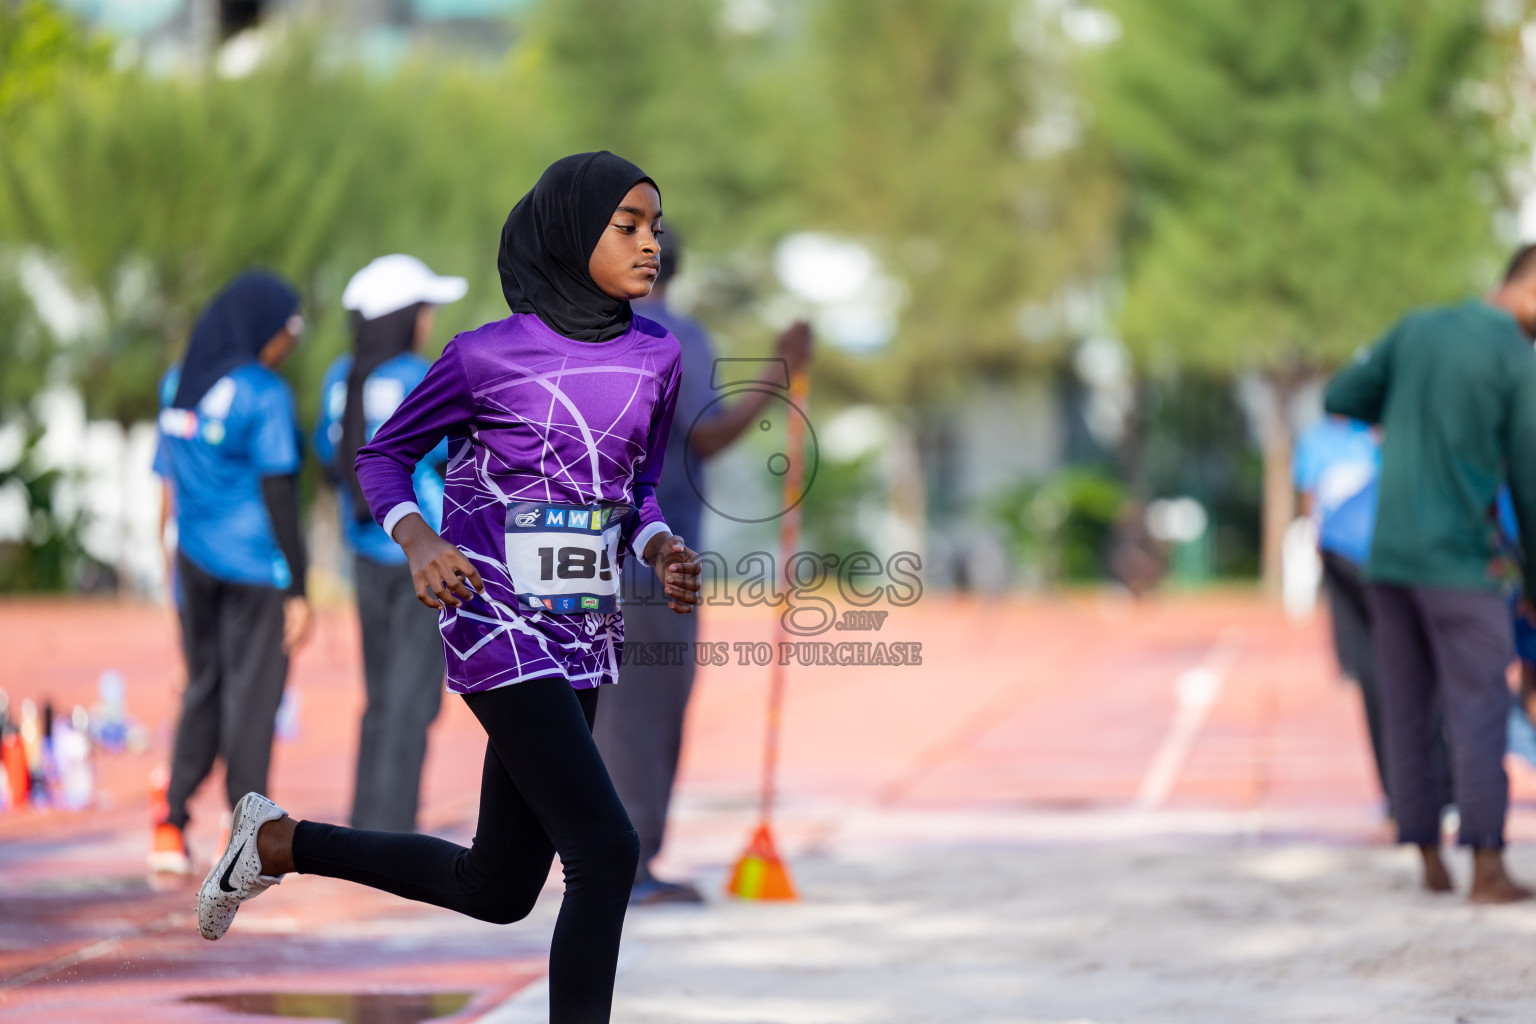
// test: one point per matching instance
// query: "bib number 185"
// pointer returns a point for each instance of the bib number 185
(574, 563)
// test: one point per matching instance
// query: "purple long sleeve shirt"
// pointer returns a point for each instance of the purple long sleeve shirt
(530, 416)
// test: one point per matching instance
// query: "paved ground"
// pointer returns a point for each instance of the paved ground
(1071, 811)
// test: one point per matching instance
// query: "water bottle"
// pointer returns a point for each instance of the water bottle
(76, 784)
(109, 719)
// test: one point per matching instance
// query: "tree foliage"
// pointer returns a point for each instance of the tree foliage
(894, 122)
(924, 155)
(1300, 173)
(152, 192)
(40, 48)
(897, 122)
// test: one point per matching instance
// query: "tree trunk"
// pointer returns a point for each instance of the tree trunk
(1279, 508)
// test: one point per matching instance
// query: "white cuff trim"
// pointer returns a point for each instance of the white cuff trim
(644, 537)
(398, 513)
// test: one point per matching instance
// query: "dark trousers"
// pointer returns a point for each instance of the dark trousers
(1350, 609)
(641, 731)
(232, 638)
(1452, 645)
(403, 674)
(543, 790)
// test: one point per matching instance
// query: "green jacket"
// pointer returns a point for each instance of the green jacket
(1455, 390)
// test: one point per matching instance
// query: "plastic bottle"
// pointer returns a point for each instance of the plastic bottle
(76, 785)
(33, 744)
(6, 801)
(109, 718)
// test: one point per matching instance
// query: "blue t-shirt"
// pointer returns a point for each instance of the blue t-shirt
(680, 502)
(1509, 529)
(383, 391)
(214, 457)
(1338, 462)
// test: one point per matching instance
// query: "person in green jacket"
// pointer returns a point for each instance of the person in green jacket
(1454, 388)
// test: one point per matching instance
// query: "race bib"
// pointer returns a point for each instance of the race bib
(564, 558)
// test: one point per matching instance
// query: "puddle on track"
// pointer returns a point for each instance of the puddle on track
(349, 1007)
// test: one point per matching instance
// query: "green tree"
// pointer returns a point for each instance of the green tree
(1298, 175)
(147, 193)
(150, 193)
(898, 123)
(924, 156)
(41, 52)
(40, 49)
(668, 85)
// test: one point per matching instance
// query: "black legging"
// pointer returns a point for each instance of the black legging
(544, 789)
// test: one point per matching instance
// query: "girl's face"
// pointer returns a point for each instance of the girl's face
(628, 256)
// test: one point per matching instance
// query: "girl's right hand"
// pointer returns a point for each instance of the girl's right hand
(443, 576)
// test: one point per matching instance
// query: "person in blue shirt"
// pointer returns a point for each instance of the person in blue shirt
(1522, 737)
(1335, 466)
(391, 302)
(640, 731)
(228, 457)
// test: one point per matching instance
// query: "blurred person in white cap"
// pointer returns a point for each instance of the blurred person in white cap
(391, 302)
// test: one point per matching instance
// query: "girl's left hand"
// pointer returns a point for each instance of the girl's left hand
(677, 566)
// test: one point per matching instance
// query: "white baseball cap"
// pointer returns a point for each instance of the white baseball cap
(394, 282)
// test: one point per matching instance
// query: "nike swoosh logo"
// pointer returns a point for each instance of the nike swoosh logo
(224, 882)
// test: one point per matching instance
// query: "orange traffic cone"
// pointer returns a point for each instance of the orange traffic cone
(760, 874)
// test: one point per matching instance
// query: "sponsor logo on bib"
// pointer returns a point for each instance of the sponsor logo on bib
(527, 519)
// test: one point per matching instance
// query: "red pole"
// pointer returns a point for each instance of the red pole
(789, 542)
(759, 873)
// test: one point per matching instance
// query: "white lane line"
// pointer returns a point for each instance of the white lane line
(1197, 689)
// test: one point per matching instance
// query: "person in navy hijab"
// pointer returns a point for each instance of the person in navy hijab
(228, 456)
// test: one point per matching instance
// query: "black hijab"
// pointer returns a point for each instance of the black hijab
(548, 241)
(374, 343)
(233, 330)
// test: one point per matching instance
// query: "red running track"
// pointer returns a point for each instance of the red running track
(1081, 719)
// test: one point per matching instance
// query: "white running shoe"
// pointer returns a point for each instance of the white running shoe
(236, 876)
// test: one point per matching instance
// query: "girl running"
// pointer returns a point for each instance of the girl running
(557, 420)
